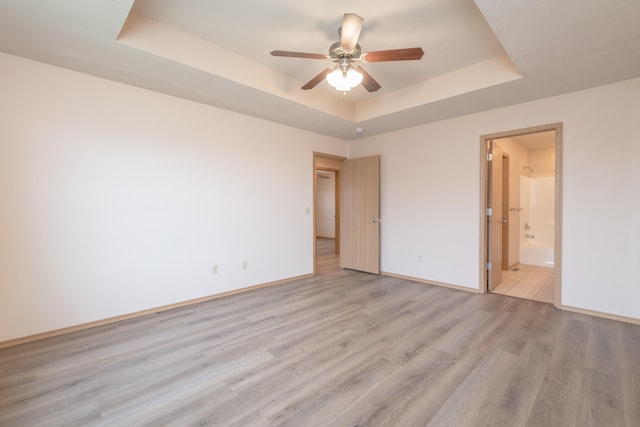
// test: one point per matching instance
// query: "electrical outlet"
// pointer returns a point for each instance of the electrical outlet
(214, 269)
(244, 264)
(420, 258)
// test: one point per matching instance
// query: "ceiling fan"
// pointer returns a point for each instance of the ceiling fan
(345, 74)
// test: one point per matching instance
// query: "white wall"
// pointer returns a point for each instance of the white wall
(430, 195)
(116, 199)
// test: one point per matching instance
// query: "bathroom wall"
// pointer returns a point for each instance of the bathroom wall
(543, 162)
(518, 158)
(538, 197)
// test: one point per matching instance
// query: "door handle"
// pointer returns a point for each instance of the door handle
(504, 221)
(374, 220)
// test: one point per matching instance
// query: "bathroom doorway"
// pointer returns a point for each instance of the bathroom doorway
(521, 181)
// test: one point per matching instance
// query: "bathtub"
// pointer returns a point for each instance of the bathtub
(535, 253)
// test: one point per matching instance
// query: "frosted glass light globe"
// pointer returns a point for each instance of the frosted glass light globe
(337, 79)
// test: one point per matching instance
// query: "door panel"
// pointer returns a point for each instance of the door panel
(505, 212)
(359, 214)
(495, 220)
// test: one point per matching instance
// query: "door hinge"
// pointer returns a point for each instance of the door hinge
(489, 211)
(489, 157)
(488, 266)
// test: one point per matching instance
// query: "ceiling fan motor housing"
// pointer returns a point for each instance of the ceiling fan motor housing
(336, 51)
(345, 53)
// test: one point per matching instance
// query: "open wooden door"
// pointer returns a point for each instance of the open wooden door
(494, 221)
(360, 214)
(505, 211)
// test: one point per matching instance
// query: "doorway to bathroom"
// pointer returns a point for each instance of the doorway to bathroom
(521, 176)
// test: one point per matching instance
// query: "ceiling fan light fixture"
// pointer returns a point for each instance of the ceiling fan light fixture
(343, 75)
(344, 81)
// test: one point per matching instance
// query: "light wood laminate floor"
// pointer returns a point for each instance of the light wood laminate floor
(340, 349)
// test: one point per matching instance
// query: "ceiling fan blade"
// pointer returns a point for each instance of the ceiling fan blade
(368, 82)
(317, 79)
(351, 26)
(298, 54)
(408, 54)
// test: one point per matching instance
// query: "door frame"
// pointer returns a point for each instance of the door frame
(331, 163)
(557, 128)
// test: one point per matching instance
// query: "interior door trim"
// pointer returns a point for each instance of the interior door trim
(557, 128)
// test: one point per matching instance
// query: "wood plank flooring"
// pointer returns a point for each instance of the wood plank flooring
(340, 349)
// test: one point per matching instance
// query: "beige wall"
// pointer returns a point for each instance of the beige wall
(542, 161)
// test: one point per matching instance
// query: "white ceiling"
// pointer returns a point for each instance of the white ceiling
(478, 55)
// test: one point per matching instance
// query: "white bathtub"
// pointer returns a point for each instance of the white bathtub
(534, 253)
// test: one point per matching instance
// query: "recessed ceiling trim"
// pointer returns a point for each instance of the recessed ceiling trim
(474, 77)
(156, 38)
(558, 48)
